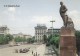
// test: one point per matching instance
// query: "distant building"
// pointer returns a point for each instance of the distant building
(55, 31)
(4, 30)
(27, 36)
(40, 30)
(18, 35)
(22, 35)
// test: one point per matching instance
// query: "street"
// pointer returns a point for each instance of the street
(49, 52)
(41, 50)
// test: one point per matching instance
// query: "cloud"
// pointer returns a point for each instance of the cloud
(10, 13)
(12, 9)
(46, 20)
(75, 15)
(41, 19)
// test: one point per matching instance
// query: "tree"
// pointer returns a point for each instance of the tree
(45, 38)
(4, 39)
(29, 40)
(53, 40)
(77, 34)
(9, 37)
(1, 39)
(18, 39)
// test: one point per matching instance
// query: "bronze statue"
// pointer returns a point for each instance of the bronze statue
(66, 20)
(63, 10)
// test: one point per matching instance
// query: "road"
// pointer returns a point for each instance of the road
(10, 51)
(3, 46)
(40, 49)
(49, 52)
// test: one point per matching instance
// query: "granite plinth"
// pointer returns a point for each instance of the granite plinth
(67, 42)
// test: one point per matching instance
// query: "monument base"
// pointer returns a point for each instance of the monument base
(67, 42)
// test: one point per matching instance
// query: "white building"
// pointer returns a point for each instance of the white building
(18, 35)
(55, 31)
(40, 30)
(4, 30)
(22, 35)
(27, 36)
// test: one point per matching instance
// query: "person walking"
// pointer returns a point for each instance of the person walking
(38, 54)
(32, 52)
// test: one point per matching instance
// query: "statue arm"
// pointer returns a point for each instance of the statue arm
(64, 9)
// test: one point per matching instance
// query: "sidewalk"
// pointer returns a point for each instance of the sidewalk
(48, 51)
(40, 50)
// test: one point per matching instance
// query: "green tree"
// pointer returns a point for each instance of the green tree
(1, 39)
(18, 39)
(48, 39)
(77, 34)
(53, 40)
(9, 37)
(45, 38)
(4, 39)
(29, 40)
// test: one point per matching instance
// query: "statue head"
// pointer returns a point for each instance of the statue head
(61, 3)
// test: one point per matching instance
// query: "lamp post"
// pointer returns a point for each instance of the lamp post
(52, 26)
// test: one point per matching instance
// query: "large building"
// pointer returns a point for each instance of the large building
(55, 31)
(22, 35)
(18, 35)
(4, 30)
(40, 30)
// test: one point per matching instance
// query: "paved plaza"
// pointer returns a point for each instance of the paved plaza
(41, 50)
(10, 51)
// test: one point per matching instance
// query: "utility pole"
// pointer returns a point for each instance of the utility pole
(52, 36)
(52, 26)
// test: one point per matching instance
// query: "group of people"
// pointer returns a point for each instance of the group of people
(35, 54)
(22, 50)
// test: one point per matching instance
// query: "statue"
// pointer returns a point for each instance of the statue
(66, 20)
(67, 34)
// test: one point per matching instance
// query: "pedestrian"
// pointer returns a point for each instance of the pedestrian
(32, 52)
(36, 53)
(16, 50)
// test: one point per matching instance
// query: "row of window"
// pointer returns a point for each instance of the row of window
(38, 38)
(40, 31)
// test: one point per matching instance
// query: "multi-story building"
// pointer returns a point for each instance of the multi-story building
(55, 31)
(18, 35)
(27, 36)
(4, 30)
(40, 30)
(22, 35)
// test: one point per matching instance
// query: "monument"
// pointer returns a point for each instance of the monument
(67, 34)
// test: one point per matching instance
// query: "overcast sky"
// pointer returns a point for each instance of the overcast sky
(32, 12)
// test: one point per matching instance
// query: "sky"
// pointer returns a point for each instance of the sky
(32, 12)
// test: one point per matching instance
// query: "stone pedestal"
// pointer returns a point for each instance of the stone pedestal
(67, 42)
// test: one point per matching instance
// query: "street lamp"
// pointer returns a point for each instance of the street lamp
(52, 26)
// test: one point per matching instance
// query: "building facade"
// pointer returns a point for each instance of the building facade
(22, 35)
(4, 30)
(18, 35)
(40, 30)
(55, 32)
(27, 36)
